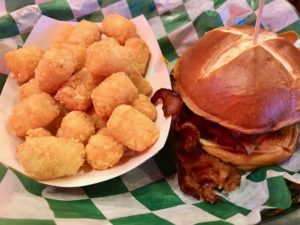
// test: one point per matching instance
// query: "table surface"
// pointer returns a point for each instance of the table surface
(290, 218)
(294, 216)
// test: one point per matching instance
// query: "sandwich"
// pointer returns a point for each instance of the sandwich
(235, 107)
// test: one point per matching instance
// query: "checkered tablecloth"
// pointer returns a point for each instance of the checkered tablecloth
(148, 194)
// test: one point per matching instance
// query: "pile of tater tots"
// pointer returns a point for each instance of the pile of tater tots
(84, 100)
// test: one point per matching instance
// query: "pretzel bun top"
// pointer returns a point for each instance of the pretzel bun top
(246, 87)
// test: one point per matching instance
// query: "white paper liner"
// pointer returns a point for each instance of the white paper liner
(42, 34)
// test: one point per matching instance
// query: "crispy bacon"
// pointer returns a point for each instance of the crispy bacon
(172, 103)
(216, 133)
(189, 136)
(199, 174)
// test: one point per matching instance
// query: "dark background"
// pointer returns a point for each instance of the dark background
(296, 3)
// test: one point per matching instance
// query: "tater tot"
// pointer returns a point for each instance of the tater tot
(63, 34)
(76, 125)
(75, 94)
(85, 33)
(46, 158)
(132, 128)
(140, 54)
(99, 121)
(143, 104)
(113, 91)
(80, 54)
(107, 57)
(30, 88)
(103, 151)
(55, 124)
(37, 132)
(55, 68)
(141, 83)
(22, 62)
(119, 28)
(37, 110)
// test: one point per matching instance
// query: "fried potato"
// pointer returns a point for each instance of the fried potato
(103, 151)
(55, 68)
(79, 52)
(119, 28)
(113, 91)
(106, 57)
(47, 158)
(37, 110)
(143, 86)
(75, 94)
(22, 62)
(76, 125)
(99, 121)
(85, 33)
(140, 54)
(143, 104)
(85, 82)
(132, 128)
(55, 124)
(37, 132)
(63, 34)
(30, 88)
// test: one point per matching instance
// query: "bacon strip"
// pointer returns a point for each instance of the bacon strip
(214, 132)
(172, 103)
(199, 173)
(189, 136)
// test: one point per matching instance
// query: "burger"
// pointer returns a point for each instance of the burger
(235, 107)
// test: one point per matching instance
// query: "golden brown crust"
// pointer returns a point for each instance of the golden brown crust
(254, 91)
(291, 36)
(36, 111)
(275, 149)
(45, 158)
(119, 28)
(132, 128)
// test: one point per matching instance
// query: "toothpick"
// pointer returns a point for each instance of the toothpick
(258, 19)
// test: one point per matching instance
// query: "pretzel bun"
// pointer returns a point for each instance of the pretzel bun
(245, 87)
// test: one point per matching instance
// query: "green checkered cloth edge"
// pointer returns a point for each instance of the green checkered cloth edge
(148, 194)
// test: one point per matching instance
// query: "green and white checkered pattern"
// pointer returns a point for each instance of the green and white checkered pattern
(148, 194)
